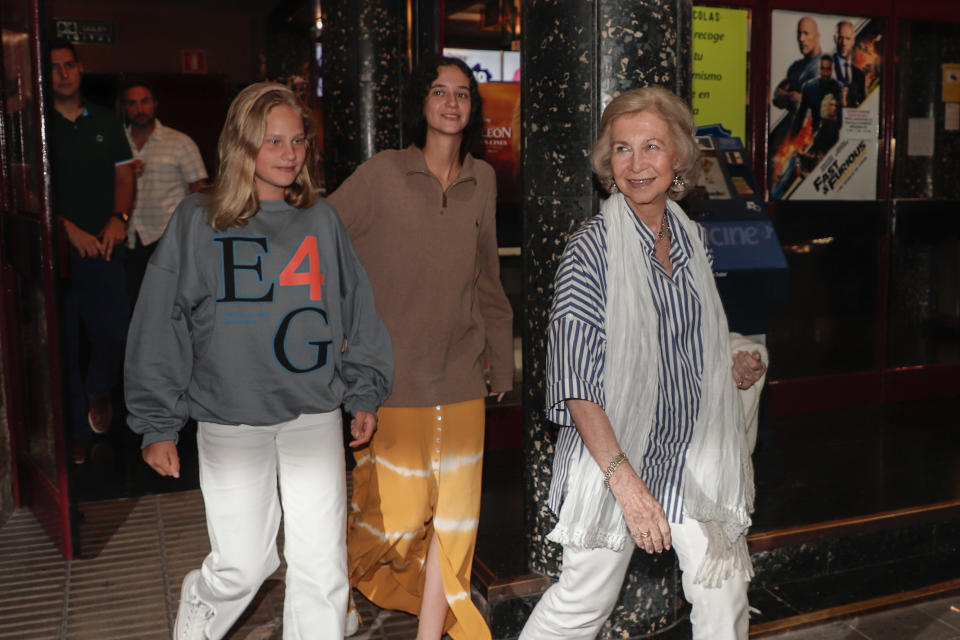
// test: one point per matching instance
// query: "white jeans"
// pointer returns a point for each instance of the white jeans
(239, 467)
(576, 606)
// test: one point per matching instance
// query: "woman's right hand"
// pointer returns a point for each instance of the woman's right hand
(641, 510)
(162, 458)
(362, 427)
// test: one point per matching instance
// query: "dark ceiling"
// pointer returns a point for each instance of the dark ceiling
(465, 30)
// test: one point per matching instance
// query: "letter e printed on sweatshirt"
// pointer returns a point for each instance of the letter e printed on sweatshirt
(301, 341)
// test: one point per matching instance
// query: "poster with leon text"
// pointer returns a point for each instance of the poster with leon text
(825, 73)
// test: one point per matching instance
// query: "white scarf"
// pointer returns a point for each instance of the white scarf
(718, 474)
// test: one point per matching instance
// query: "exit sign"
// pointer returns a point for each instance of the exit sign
(86, 31)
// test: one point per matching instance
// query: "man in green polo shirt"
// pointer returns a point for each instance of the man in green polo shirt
(93, 189)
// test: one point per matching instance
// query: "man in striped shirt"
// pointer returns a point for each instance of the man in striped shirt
(168, 168)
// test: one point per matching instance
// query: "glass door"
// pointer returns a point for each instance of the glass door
(28, 273)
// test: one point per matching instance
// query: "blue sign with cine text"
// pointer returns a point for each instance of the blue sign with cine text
(744, 244)
(748, 261)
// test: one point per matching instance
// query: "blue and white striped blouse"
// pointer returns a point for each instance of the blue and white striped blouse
(577, 344)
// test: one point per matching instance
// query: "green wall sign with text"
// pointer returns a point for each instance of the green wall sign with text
(720, 68)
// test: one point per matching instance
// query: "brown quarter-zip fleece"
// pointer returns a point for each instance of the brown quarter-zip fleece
(431, 257)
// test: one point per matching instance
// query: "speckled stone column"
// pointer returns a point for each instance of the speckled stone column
(578, 55)
(365, 63)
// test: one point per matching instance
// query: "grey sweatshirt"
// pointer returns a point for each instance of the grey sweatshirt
(246, 326)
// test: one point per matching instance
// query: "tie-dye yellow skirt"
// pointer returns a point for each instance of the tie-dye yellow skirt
(419, 476)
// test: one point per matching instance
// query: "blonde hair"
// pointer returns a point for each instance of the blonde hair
(233, 198)
(825, 106)
(679, 120)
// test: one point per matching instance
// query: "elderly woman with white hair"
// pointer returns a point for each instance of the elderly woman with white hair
(652, 448)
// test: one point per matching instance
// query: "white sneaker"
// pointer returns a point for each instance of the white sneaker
(193, 614)
(353, 619)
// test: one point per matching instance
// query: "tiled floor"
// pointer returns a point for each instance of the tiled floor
(127, 584)
(137, 550)
(932, 620)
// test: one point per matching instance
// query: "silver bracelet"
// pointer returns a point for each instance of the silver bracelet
(612, 467)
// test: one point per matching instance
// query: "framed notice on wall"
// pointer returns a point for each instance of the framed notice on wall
(825, 73)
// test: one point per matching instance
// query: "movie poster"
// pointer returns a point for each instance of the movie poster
(500, 138)
(825, 73)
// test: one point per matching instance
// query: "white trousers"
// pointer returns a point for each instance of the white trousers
(239, 468)
(576, 606)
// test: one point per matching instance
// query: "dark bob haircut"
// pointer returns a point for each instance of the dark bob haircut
(420, 80)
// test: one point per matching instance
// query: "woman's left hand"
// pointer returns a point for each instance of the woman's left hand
(747, 369)
(362, 427)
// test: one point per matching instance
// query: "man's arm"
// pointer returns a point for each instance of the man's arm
(124, 188)
(86, 244)
(785, 95)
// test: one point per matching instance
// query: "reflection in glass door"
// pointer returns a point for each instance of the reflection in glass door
(27, 259)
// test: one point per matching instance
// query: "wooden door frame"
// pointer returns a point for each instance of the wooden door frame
(48, 498)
